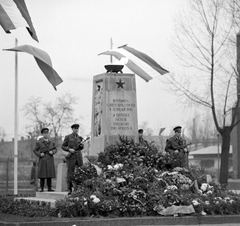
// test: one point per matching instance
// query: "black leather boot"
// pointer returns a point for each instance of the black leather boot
(42, 180)
(49, 184)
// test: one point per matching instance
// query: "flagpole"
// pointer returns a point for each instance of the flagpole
(111, 46)
(16, 124)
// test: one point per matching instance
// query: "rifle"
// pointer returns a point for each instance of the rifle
(184, 146)
(181, 145)
(47, 150)
(184, 142)
(178, 146)
(80, 145)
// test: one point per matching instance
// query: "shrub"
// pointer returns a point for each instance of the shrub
(25, 208)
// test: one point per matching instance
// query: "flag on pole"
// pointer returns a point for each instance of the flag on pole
(147, 59)
(139, 63)
(161, 130)
(14, 14)
(129, 63)
(44, 62)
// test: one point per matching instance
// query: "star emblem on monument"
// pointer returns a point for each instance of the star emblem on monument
(120, 84)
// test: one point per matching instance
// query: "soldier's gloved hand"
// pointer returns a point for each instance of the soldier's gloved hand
(42, 154)
(71, 150)
(50, 152)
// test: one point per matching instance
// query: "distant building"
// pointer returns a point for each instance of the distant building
(209, 158)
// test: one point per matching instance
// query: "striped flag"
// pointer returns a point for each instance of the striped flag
(44, 62)
(139, 63)
(129, 63)
(161, 130)
(14, 14)
(147, 59)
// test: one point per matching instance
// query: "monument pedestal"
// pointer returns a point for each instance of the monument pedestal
(114, 110)
(61, 184)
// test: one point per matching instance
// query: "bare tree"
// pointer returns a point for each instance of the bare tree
(60, 114)
(57, 115)
(33, 110)
(201, 129)
(234, 9)
(203, 46)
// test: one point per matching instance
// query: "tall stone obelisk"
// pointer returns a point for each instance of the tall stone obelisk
(114, 110)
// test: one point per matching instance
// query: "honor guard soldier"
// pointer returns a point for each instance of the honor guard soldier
(44, 150)
(176, 147)
(73, 145)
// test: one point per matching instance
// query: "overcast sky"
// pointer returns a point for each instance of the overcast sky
(73, 33)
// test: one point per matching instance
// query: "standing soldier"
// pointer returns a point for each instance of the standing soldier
(73, 145)
(176, 147)
(140, 135)
(45, 149)
(141, 140)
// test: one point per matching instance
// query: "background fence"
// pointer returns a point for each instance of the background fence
(24, 175)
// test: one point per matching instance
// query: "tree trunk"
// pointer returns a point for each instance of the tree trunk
(225, 156)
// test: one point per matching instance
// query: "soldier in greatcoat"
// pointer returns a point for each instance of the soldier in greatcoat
(45, 149)
(73, 145)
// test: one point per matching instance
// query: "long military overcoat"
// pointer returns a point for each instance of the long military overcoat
(46, 167)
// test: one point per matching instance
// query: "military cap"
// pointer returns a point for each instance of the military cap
(44, 129)
(177, 128)
(75, 126)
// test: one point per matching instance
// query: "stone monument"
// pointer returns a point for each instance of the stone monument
(114, 109)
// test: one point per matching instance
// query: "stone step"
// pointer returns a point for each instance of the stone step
(36, 199)
(51, 195)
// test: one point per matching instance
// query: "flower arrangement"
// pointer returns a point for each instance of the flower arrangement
(138, 180)
(83, 173)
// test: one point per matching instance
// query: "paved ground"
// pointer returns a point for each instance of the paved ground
(8, 219)
(237, 224)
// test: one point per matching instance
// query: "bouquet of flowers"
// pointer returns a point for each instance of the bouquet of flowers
(136, 180)
(85, 172)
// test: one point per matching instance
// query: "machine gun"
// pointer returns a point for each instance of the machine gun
(47, 150)
(79, 146)
(183, 142)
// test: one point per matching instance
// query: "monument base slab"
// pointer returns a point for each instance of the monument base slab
(61, 184)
